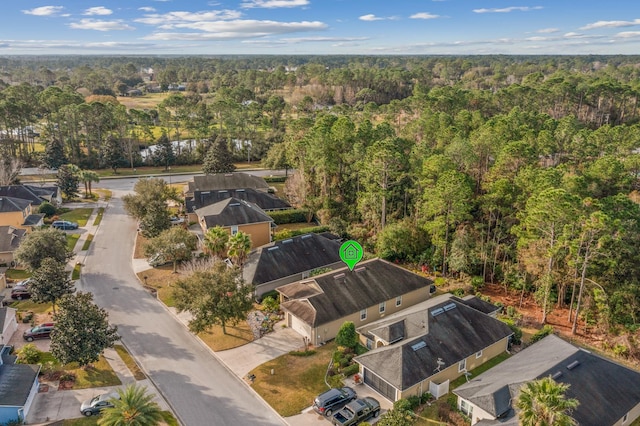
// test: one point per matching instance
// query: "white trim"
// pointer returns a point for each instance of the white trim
(478, 354)
(398, 301)
(382, 306)
(462, 366)
(363, 314)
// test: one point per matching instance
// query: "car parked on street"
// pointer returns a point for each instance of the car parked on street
(21, 290)
(42, 331)
(332, 400)
(98, 403)
(64, 224)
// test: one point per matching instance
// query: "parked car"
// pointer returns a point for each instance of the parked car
(332, 400)
(64, 224)
(21, 290)
(175, 220)
(98, 403)
(357, 412)
(42, 331)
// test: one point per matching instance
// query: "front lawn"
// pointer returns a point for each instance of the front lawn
(237, 335)
(29, 305)
(17, 274)
(80, 215)
(130, 362)
(295, 382)
(72, 239)
(93, 420)
(100, 374)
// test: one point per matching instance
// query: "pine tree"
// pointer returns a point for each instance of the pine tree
(218, 158)
(68, 180)
(53, 156)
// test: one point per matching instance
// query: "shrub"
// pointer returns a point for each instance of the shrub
(302, 353)
(440, 281)
(351, 370)
(516, 339)
(402, 405)
(477, 283)
(511, 311)
(273, 294)
(337, 354)
(459, 292)
(621, 350)
(414, 401)
(344, 361)
(275, 179)
(270, 304)
(47, 209)
(542, 333)
(281, 217)
(347, 336)
(425, 397)
(288, 233)
(336, 381)
(29, 354)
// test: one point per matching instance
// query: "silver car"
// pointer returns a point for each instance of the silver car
(98, 403)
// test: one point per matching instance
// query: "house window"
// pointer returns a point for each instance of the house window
(234, 230)
(462, 366)
(305, 274)
(466, 408)
(398, 301)
(363, 315)
(382, 307)
(478, 354)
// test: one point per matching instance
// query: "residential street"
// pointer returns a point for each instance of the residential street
(199, 388)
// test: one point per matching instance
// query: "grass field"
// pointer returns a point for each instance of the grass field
(80, 215)
(147, 101)
(72, 240)
(98, 218)
(87, 242)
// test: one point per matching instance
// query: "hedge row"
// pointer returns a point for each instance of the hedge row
(275, 179)
(288, 233)
(280, 217)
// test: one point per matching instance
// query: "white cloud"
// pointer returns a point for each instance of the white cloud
(628, 34)
(98, 25)
(537, 38)
(322, 39)
(219, 30)
(147, 9)
(548, 30)
(43, 10)
(273, 4)
(98, 10)
(424, 15)
(508, 9)
(370, 17)
(610, 24)
(168, 19)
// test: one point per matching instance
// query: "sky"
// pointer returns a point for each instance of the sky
(323, 27)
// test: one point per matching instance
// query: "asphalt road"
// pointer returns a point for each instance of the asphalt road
(198, 387)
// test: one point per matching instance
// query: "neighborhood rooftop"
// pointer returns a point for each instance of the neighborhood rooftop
(10, 238)
(232, 212)
(262, 199)
(236, 180)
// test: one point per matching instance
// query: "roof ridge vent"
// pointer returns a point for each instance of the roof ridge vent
(419, 345)
(304, 237)
(234, 204)
(339, 276)
(573, 365)
(437, 312)
(287, 241)
(273, 248)
(449, 306)
(556, 375)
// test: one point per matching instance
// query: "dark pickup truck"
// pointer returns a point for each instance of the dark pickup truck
(356, 412)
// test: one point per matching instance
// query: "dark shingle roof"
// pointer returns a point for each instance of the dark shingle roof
(453, 334)
(34, 219)
(21, 191)
(290, 257)
(10, 204)
(343, 292)
(606, 390)
(480, 305)
(16, 381)
(227, 181)
(232, 212)
(10, 238)
(263, 200)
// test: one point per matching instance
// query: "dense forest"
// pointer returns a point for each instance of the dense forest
(521, 170)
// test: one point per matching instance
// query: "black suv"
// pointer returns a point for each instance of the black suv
(42, 331)
(332, 400)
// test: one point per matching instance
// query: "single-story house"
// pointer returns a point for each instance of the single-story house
(220, 181)
(237, 215)
(290, 260)
(10, 238)
(8, 324)
(35, 193)
(264, 200)
(317, 307)
(422, 348)
(18, 387)
(608, 393)
(19, 213)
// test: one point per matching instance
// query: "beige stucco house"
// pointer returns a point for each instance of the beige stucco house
(19, 213)
(317, 307)
(422, 348)
(10, 238)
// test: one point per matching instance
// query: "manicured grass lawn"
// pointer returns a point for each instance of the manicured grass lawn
(130, 362)
(75, 274)
(237, 335)
(93, 420)
(105, 194)
(98, 218)
(98, 375)
(138, 251)
(87, 242)
(72, 239)
(295, 382)
(80, 215)
(17, 274)
(28, 305)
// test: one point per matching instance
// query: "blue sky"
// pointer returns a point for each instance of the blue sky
(320, 27)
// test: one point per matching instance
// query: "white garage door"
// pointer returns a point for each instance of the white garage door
(300, 327)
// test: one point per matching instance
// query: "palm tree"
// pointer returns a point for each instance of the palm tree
(216, 241)
(87, 177)
(543, 403)
(239, 247)
(134, 408)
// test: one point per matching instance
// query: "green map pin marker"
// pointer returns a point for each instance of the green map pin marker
(351, 253)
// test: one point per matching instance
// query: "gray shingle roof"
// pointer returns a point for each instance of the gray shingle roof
(606, 390)
(231, 212)
(21, 191)
(343, 292)
(453, 334)
(263, 200)
(480, 305)
(10, 204)
(34, 219)
(290, 257)
(227, 181)
(16, 381)
(10, 238)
